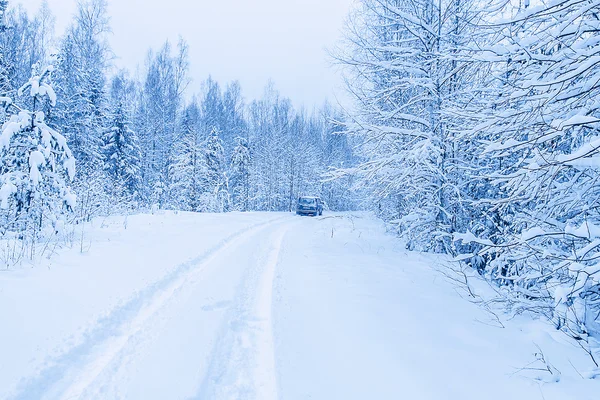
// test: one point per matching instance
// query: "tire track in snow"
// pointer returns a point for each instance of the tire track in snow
(242, 364)
(66, 376)
(264, 376)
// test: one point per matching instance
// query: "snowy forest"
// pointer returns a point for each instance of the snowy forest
(143, 143)
(473, 132)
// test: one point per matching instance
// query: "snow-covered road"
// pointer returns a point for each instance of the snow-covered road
(259, 306)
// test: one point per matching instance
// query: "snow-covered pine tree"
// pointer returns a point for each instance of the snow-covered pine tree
(82, 110)
(80, 81)
(35, 166)
(157, 195)
(5, 85)
(188, 170)
(121, 151)
(216, 185)
(239, 181)
(3, 10)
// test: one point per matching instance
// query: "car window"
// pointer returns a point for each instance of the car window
(306, 201)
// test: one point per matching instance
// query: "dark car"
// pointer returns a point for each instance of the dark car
(308, 205)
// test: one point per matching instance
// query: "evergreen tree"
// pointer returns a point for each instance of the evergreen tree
(80, 80)
(121, 150)
(189, 164)
(239, 182)
(35, 160)
(215, 181)
(3, 10)
(82, 112)
(5, 85)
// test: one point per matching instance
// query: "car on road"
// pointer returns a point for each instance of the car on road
(309, 205)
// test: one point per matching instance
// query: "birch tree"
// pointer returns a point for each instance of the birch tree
(409, 79)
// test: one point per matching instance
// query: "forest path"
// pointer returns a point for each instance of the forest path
(284, 307)
(206, 291)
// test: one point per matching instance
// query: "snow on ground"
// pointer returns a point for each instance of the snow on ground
(263, 306)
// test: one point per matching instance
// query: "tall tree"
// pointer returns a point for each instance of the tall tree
(83, 60)
(121, 151)
(189, 169)
(239, 181)
(269, 123)
(233, 122)
(161, 101)
(410, 81)
(83, 107)
(5, 84)
(216, 182)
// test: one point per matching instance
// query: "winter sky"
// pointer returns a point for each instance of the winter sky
(251, 41)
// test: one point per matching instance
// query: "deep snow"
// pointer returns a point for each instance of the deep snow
(264, 306)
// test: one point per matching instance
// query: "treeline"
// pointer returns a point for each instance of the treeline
(480, 124)
(141, 143)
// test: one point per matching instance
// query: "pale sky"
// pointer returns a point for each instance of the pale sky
(248, 40)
